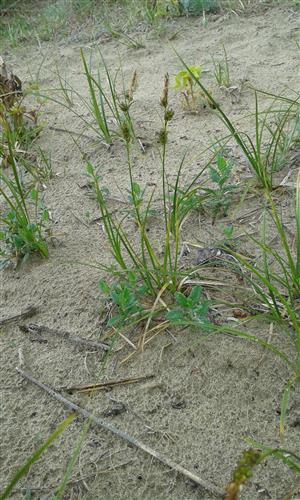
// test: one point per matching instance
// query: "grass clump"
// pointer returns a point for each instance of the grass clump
(23, 220)
(133, 42)
(149, 284)
(108, 108)
(30, 21)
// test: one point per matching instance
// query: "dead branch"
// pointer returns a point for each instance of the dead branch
(74, 339)
(27, 313)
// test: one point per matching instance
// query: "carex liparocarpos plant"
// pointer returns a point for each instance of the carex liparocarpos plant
(149, 281)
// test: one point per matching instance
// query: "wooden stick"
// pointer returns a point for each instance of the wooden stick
(123, 435)
(27, 313)
(74, 339)
(106, 385)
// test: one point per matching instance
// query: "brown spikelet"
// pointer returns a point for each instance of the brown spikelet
(165, 93)
(132, 88)
(134, 84)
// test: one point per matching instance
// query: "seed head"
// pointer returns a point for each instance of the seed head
(163, 136)
(125, 130)
(169, 113)
(124, 106)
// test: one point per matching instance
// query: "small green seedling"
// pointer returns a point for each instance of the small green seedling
(183, 77)
(228, 233)
(220, 197)
(125, 296)
(221, 71)
(228, 240)
(190, 310)
(185, 84)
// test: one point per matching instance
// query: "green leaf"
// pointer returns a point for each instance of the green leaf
(181, 299)
(34, 194)
(175, 316)
(222, 164)
(45, 215)
(228, 231)
(104, 286)
(136, 188)
(89, 169)
(183, 77)
(131, 278)
(114, 320)
(214, 176)
(195, 294)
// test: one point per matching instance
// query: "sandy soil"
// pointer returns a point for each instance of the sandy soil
(206, 395)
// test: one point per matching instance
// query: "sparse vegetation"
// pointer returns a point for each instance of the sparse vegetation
(190, 242)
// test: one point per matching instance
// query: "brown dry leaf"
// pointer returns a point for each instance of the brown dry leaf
(10, 86)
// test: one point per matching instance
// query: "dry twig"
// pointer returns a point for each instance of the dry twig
(74, 339)
(105, 385)
(27, 313)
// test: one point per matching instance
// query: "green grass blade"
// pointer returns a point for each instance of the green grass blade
(297, 215)
(286, 456)
(253, 338)
(284, 404)
(35, 456)
(98, 112)
(78, 446)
